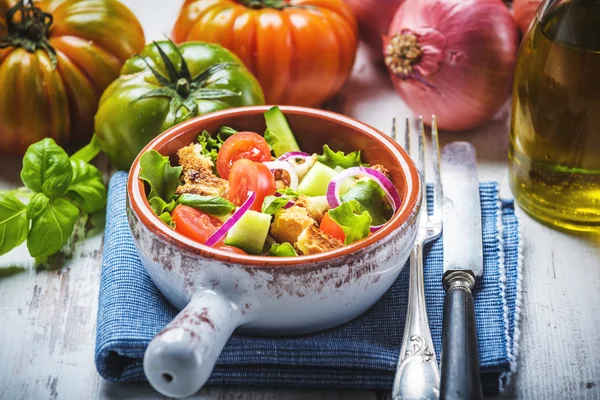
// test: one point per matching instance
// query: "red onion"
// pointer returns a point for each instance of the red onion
(333, 190)
(374, 17)
(294, 155)
(524, 11)
(285, 166)
(453, 58)
(235, 217)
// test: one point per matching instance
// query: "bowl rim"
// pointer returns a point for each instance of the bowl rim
(140, 206)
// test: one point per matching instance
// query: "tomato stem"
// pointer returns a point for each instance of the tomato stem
(402, 52)
(183, 87)
(28, 28)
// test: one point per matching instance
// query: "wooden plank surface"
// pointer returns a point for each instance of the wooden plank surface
(48, 318)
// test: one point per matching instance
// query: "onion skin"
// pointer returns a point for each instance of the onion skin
(524, 12)
(374, 18)
(462, 70)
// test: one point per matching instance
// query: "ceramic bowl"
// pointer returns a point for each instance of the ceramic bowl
(219, 292)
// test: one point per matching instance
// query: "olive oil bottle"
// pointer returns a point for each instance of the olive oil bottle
(555, 129)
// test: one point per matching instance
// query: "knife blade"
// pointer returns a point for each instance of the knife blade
(463, 264)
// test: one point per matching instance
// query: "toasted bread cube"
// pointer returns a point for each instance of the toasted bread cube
(312, 240)
(289, 224)
(316, 206)
(198, 176)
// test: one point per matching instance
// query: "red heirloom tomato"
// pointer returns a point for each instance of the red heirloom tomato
(194, 223)
(301, 51)
(56, 59)
(247, 175)
(248, 145)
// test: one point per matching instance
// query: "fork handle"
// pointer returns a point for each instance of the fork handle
(417, 373)
(460, 356)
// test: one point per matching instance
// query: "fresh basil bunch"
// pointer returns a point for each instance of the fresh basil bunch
(60, 189)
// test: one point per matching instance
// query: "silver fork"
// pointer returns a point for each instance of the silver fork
(417, 373)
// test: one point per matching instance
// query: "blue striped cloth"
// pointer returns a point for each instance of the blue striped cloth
(360, 354)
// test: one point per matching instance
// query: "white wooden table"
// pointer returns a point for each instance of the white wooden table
(48, 318)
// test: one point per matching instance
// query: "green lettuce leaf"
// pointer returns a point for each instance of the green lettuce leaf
(160, 175)
(335, 159)
(282, 250)
(354, 220)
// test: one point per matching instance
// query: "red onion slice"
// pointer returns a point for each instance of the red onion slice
(285, 166)
(294, 154)
(333, 190)
(235, 217)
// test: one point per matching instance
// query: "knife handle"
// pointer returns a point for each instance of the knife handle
(460, 356)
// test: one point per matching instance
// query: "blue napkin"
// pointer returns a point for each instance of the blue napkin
(360, 354)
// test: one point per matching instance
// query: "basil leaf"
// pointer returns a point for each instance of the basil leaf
(88, 152)
(213, 205)
(14, 223)
(371, 197)
(160, 175)
(52, 223)
(272, 204)
(159, 206)
(289, 192)
(87, 188)
(355, 221)
(46, 169)
(340, 159)
(282, 250)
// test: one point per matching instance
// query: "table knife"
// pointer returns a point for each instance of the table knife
(463, 265)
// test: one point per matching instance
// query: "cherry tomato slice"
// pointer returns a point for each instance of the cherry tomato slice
(248, 175)
(230, 249)
(194, 223)
(333, 228)
(242, 145)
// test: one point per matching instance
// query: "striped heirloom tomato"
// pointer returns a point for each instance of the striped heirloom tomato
(56, 59)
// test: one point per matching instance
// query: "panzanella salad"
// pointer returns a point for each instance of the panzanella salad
(260, 194)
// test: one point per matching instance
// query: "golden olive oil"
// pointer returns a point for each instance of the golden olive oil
(555, 130)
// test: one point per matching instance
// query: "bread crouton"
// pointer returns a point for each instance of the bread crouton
(198, 176)
(316, 206)
(312, 240)
(289, 224)
(381, 169)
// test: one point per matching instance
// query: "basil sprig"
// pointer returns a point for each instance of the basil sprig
(60, 189)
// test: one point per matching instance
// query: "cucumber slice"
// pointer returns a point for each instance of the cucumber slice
(316, 180)
(250, 232)
(279, 135)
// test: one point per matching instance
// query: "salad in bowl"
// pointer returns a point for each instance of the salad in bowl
(260, 194)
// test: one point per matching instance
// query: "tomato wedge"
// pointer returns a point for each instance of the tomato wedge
(242, 145)
(248, 176)
(230, 249)
(333, 228)
(194, 223)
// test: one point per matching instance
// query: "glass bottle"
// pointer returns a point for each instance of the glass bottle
(554, 156)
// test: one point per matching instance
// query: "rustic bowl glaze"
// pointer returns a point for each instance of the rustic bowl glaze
(220, 292)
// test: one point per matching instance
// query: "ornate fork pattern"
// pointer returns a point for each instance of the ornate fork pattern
(417, 374)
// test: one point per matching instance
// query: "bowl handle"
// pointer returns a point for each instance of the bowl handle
(180, 358)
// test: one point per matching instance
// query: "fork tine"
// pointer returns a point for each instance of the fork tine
(393, 135)
(421, 165)
(437, 184)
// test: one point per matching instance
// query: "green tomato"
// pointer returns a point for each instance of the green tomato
(165, 85)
